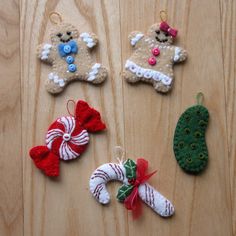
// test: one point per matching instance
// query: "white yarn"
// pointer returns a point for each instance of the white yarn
(147, 73)
(113, 171)
(93, 72)
(45, 51)
(55, 78)
(177, 54)
(86, 37)
(136, 38)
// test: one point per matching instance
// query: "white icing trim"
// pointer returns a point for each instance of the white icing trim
(86, 37)
(113, 171)
(93, 72)
(177, 54)
(147, 73)
(136, 38)
(55, 78)
(45, 51)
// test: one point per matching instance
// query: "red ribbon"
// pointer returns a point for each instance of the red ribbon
(132, 202)
(166, 28)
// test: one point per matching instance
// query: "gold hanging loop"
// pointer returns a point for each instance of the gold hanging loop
(163, 15)
(200, 98)
(55, 17)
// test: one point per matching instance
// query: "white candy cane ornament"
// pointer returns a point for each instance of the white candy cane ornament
(134, 186)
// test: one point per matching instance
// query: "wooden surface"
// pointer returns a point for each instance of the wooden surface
(137, 118)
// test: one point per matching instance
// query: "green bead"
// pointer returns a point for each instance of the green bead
(189, 139)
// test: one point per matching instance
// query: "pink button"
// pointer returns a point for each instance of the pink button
(155, 52)
(152, 61)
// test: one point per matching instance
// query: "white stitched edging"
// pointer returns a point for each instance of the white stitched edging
(136, 38)
(147, 73)
(94, 71)
(86, 37)
(45, 51)
(177, 54)
(55, 78)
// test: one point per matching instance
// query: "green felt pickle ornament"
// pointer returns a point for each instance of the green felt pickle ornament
(189, 139)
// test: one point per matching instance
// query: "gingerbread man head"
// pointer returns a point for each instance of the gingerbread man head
(63, 33)
(162, 33)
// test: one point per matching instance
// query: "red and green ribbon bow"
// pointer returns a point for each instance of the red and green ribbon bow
(136, 175)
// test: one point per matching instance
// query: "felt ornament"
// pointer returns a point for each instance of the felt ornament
(189, 139)
(134, 189)
(154, 56)
(67, 138)
(69, 53)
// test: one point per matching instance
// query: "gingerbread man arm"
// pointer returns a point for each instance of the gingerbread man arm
(179, 55)
(90, 39)
(135, 37)
(45, 53)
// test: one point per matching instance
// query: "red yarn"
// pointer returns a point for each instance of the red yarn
(166, 28)
(88, 117)
(45, 160)
(67, 138)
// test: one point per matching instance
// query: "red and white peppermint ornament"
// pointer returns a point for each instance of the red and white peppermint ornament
(67, 138)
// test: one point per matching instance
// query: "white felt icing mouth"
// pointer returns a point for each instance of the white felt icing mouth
(147, 73)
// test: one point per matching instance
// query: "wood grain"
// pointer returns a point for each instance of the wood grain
(137, 118)
(11, 188)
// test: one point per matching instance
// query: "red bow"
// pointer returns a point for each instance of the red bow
(166, 28)
(132, 202)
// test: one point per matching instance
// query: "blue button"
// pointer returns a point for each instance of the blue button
(67, 49)
(70, 59)
(72, 67)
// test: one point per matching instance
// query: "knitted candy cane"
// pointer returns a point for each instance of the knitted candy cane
(126, 173)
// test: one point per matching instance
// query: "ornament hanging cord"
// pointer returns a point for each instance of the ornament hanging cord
(67, 106)
(119, 154)
(55, 18)
(163, 15)
(200, 98)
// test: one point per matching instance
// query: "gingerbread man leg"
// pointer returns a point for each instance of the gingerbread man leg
(160, 87)
(55, 83)
(97, 74)
(130, 77)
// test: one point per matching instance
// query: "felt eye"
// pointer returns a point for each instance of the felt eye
(68, 33)
(181, 144)
(202, 123)
(166, 34)
(59, 35)
(198, 112)
(158, 31)
(193, 146)
(187, 117)
(197, 134)
(201, 156)
(189, 160)
(187, 130)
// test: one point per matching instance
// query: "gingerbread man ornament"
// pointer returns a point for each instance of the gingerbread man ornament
(69, 55)
(154, 57)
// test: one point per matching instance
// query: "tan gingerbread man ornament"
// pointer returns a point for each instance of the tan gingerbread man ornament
(69, 55)
(154, 57)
